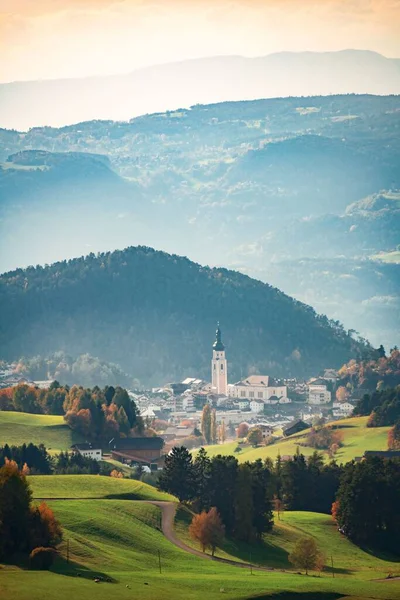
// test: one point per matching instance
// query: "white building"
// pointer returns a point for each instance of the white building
(243, 404)
(257, 387)
(318, 394)
(344, 409)
(88, 451)
(219, 366)
(257, 406)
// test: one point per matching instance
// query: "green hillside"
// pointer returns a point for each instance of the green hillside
(19, 428)
(120, 540)
(357, 439)
(93, 486)
(348, 559)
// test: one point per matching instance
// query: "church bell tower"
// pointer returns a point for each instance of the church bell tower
(219, 366)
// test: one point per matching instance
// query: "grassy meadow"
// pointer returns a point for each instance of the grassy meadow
(92, 486)
(18, 428)
(121, 541)
(357, 439)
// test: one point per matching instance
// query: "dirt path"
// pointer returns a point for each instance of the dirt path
(168, 510)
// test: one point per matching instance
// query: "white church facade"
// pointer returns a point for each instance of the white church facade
(255, 389)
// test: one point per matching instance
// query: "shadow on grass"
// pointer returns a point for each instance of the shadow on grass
(260, 554)
(381, 554)
(298, 596)
(74, 569)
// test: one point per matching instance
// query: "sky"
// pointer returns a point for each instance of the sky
(48, 39)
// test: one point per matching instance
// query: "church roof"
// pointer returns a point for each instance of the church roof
(218, 345)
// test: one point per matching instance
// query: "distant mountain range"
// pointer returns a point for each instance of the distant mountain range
(200, 81)
(301, 193)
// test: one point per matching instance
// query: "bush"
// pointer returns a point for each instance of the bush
(42, 558)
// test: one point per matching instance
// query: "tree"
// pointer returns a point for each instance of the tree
(242, 430)
(342, 393)
(394, 437)
(179, 476)
(320, 562)
(305, 555)
(222, 432)
(117, 474)
(244, 510)
(279, 506)
(213, 428)
(208, 529)
(255, 437)
(15, 499)
(206, 423)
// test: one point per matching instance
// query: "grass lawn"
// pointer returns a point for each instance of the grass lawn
(52, 431)
(92, 486)
(357, 439)
(120, 539)
(348, 560)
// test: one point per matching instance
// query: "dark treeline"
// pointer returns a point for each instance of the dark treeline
(35, 460)
(245, 493)
(94, 413)
(368, 501)
(382, 407)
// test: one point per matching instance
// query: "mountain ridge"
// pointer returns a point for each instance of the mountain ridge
(196, 81)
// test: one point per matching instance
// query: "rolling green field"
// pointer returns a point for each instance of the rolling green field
(357, 439)
(348, 559)
(92, 486)
(121, 540)
(19, 428)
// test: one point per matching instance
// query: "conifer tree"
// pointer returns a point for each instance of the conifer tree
(206, 423)
(213, 429)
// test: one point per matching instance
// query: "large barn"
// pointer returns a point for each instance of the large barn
(141, 450)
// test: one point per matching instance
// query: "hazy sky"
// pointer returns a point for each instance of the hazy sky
(64, 38)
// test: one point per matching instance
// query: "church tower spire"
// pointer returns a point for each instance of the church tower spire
(219, 366)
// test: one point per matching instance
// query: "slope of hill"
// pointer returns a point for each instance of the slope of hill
(240, 184)
(155, 315)
(121, 541)
(206, 80)
(22, 428)
(93, 486)
(357, 438)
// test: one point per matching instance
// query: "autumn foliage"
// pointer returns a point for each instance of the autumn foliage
(242, 430)
(394, 437)
(207, 529)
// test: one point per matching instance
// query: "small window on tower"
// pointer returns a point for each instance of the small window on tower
(222, 367)
(214, 367)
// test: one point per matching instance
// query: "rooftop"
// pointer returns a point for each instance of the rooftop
(139, 443)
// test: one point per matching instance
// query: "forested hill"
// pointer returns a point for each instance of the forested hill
(154, 314)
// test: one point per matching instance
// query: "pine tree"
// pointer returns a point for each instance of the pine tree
(213, 428)
(178, 476)
(244, 504)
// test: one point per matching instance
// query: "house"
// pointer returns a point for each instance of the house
(88, 450)
(243, 404)
(342, 409)
(257, 406)
(267, 430)
(294, 427)
(142, 450)
(330, 375)
(256, 387)
(318, 393)
(176, 433)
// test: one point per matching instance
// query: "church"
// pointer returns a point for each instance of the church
(257, 388)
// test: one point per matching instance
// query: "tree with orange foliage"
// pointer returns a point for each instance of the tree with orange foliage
(242, 430)
(45, 530)
(342, 393)
(117, 474)
(394, 437)
(25, 470)
(334, 510)
(207, 529)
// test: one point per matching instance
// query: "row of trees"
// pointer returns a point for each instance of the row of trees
(94, 413)
(35, 460)
(367, 503)
(23, 526)
(244, 494)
